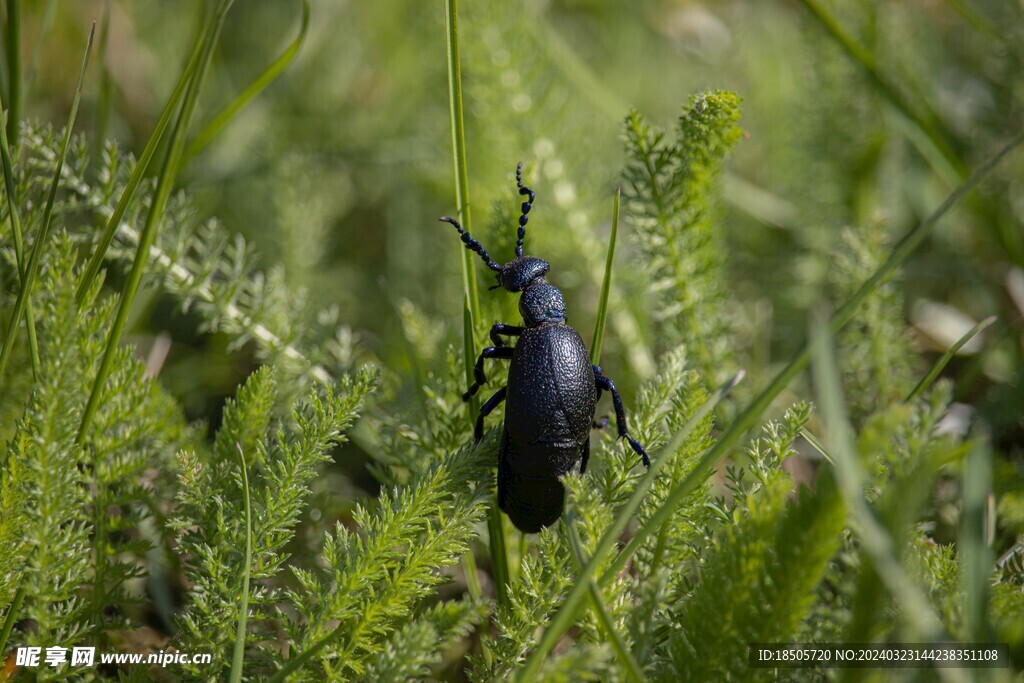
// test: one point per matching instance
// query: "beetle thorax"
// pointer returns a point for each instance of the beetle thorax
(541, 303)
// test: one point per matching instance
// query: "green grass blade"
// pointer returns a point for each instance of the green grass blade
(105, 100)
(212, 129)
(19, 252)
(977, 21)
(238, 656)
(165, 182)
(928, 123)
(629, 663)
(936, 369)
(816, 444)
(975, 547)
(499, 553)
(45, 27)
(12, 616)
(155, 139)
(606, 284)
(459, 155)
(566, 614)
(13, 45)
(576, 69)
(35, 259)
(874, 537)
(471, 312)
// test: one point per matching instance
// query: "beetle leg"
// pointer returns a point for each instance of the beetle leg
(485, 410)
(501, 329)
(603, 422)
(586, 456)
(620, 417)
(478, 371)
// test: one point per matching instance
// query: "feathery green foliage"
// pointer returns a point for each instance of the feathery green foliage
(872, 528)
(210, 521)
(670, 188)
(58, 481)
(376, 578)
(80, 570)
(205, 268)
(768, 558)
(878, 366)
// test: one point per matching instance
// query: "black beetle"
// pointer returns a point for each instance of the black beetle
(552, 389)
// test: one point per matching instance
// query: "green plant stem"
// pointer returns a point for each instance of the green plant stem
(13, 69)
(469, 284)
(499, 553)
(874, 537)
(471, 306)
(475, 591)
(165, 183)
(154, 142)
(566, 614)
(10, 188)
(936, 369)
(930, 124)
(633, 670)
(977, 20)
(975, 548)
(238, 655)
(212, 129)
(45, 27)
(12, 615)
(105, 100)
(606, 284)
(35, 259)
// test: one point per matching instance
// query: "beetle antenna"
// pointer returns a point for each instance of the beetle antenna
(471, 243)
(527, 205)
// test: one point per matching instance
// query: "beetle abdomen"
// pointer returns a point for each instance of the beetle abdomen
(529, 490)
(551, 390)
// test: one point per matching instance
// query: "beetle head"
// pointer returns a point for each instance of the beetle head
(517, 274)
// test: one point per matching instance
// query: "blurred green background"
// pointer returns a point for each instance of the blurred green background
(339, 170)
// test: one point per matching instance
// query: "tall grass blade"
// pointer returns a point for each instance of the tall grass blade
(35, 259)
(459, 155)
(212, 129)
(12, 616)
(499, 553)
(940, 365)
(567, 612)
(10, 188)
(874, 537)
(238, 656)
(154, 142)
(105, 101)
(606, 284)
(45, 27)
(165, 183)
(471, 312)
(929, 123)
(975, 548)
(13, 45)
(629, 663)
